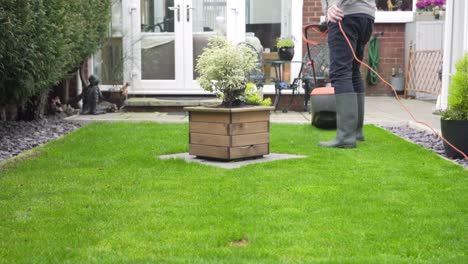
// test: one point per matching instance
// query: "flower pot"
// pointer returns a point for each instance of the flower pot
(456, 132)
(229, 133)
(425, 16)
(441, 15)
(398, 83)
(286, 53)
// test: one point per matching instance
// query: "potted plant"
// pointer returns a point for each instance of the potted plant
(430, 9)
(233, 130)
(454, 121)
(285, 47)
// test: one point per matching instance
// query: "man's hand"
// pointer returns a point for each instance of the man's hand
(334, 14)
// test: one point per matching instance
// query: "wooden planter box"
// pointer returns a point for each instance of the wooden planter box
(229, 133)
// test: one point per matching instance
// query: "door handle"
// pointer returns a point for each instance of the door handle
(172, 8)
(188, 12)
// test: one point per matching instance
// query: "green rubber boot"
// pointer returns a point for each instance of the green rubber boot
(360, 118)
(346, 122)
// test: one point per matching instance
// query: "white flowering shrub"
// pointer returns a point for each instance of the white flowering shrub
(223, 69)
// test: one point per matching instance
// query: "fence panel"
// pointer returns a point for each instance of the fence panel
(423, 71)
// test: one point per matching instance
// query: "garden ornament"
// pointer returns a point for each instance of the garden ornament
(92, 97)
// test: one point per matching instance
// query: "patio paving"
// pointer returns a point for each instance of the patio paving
(380, 110)
(231, 164)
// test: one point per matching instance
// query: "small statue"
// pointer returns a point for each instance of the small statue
(92, 96)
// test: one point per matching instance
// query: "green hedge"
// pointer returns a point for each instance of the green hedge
(41, 41)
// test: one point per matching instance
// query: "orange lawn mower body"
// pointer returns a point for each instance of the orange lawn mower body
(323, 107)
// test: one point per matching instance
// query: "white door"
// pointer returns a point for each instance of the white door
(165, 38)
(205, 19)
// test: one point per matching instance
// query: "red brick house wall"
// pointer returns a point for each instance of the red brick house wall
(392, 55)
(392, 45)
(312, 11)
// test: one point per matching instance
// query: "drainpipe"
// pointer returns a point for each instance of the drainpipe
(465, 31)
(455, 46)
(447, 63)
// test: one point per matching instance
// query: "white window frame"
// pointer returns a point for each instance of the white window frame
(396, 16)
(392, 16)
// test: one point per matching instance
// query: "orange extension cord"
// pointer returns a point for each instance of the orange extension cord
(396, 95)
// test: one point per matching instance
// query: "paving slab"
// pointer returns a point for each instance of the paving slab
(172, 101)
(379, 110)
(387, 111)
(291, 117)
(231, 164)
(159, 117)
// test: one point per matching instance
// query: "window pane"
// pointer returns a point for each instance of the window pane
(394, 5)
(157, 57)
(265, 25)
(157, 16)
(209, 19)
(116, 21)
(108, 62)
(157, 40)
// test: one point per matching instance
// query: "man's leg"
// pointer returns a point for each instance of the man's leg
(360, 90)
(341, 73)
(358, 84)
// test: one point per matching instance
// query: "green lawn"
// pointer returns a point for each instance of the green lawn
(100, 195)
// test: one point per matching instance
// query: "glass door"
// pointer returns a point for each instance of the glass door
(157, 45)
(160, 40)
(207, 19)
(263, 26)
(170, 35)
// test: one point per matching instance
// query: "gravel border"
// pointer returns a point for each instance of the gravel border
(425, 139)
(19, 136)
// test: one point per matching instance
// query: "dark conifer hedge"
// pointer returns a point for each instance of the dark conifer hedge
(41, 41)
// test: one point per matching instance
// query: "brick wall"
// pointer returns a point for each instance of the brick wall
(392, 55)
(312, 11)
(392, 45)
